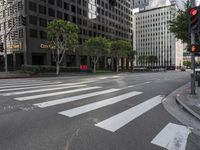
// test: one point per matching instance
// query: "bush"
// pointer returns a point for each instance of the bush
(33, 69)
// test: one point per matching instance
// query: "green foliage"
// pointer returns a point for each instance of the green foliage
(179, 26)
(120, 48)
(97, 46)
(62, 35)
(131, 55)
(152, 59)
(187, 63)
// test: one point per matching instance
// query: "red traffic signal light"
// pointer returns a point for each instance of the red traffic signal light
(194, 24)
(193, 11)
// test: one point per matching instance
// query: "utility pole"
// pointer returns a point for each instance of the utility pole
(5, 37)
(193, 75)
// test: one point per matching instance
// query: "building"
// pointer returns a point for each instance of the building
(26, 43)
(151, 4)
(153, 38)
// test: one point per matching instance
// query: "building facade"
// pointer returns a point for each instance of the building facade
(153, 38)
(111, 19)
(151, 4)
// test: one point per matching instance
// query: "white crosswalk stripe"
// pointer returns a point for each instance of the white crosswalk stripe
(42, 90)
(116, 122)
(26, 85)
(23, 82)
(74, 98)
(55, 93)
(86, 108)
(172, 137)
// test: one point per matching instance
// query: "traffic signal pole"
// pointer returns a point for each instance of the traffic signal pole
(193, 76)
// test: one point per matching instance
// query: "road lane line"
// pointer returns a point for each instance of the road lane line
(73, 98)
(116, 122)
(55, 93)
(93, 106)
(172, 137)
(42, 90)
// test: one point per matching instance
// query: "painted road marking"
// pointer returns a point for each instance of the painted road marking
(93, 106)
(41, 90)
(116, 122)
(73, 98)
(27, 86)
(23, 83)
(41, 86)
(55, 93)
(172, 137)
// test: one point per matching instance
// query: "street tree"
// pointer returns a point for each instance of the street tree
(131, 57)
(143, 60)
(152, 60)
(179, 25)
(119, 49)
(187, 64)
(62, 36)
(96, 47)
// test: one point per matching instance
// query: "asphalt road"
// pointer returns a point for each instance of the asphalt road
(119, 112)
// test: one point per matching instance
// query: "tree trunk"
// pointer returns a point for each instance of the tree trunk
(94, 69)
(117, 63)
(57, 68)
(132, 67)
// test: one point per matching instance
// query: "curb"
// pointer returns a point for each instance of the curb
(188, 109)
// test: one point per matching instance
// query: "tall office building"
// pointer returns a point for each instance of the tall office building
(150, 4)
(108, 18)
(153, 38)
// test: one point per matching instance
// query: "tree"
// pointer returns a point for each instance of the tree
(152, 60)
(179, 25)
(96, 47)
(61, 36)
(143, 60)
(119, 49)
(131, 58)
(187, 64)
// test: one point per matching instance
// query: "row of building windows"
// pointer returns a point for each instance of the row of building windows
(51, 12)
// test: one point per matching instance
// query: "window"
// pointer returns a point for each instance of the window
(43, 35)
(66, 17)
(59, 3)
(51, 12)
(73, 8)
(59, 15)
(32, 6)
(66, 6)
(43, 22)
(51, 2)
(33, 33)
(42, 9)
(33, 20)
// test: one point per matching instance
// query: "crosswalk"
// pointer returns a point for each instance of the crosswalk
(44, 94)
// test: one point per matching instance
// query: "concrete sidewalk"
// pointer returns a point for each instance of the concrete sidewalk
(191, 103)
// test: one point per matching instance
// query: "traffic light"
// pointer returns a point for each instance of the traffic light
(194, 25)
(1, 47)
(195, 48)
(23, 19)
